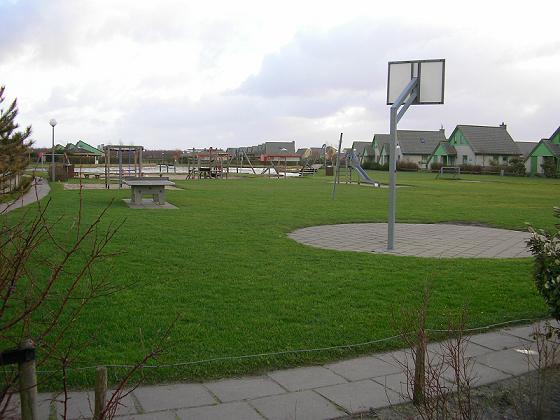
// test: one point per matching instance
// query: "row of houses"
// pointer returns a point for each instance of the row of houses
(467, 145)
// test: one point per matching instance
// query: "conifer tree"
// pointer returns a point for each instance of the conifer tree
(14, 144)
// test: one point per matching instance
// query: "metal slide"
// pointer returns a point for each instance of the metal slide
(355, 163)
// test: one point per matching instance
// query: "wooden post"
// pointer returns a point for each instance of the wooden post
(100, 391)
(420, 369)
(28, 385)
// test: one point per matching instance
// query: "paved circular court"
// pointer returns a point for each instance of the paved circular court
(418, 240)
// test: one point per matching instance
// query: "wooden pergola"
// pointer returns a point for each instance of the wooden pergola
(134, 152)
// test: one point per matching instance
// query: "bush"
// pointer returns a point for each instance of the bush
(549, 169)
(376, 166)
(545, 247)
(516, 167)
(474, 169)
(405, 165)
(436, 166)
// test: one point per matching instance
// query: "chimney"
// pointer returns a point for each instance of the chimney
(503, 125)
(442, 130)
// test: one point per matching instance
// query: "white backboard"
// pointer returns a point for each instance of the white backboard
(431, 80)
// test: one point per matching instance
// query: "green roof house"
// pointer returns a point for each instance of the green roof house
(544, 159)
(81, 148)
(478, 145)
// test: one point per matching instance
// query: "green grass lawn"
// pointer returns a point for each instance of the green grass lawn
(224, 264)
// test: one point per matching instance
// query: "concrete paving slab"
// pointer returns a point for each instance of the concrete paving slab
(482, 375)
(14, 407)
(498, 340)
(421, 240)
(357, 397)
(162, 397)
(306, 378)
(149, 204)
(229, 411)
(508, 361)
(297, 405)
(244, 388)
(160, 415)
(80, 405)
(397, 383)
(362, 368)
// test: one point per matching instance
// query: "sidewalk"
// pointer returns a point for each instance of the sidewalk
(39, 189)
(319, 392)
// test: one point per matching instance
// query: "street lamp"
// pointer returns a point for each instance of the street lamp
(285, 151)
(52, 123)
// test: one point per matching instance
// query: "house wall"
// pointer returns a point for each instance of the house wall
(412, 158)
(463, 149)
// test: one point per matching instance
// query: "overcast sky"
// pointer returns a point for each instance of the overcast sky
(182, 74)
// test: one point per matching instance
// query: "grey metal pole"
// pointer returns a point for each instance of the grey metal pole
(336, 174)
(52, 157)
(395, 116)
(392, 179)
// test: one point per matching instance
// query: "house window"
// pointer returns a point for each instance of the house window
(465, 159)
(505, 159)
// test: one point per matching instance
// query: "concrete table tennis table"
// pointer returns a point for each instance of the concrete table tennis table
(148, 186)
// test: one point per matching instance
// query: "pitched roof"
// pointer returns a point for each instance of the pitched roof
(555, 133)
(275, 147)
(360, 146)
(553, 147)
(449, 148)
(525, 147)
(415, 142)
(486, 140)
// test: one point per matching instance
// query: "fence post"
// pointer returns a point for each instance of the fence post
(420, 369)
(100, 391)
(28, 384)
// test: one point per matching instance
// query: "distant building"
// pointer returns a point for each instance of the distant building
(412, 145)
(545, 153)
(478, 145)
(364, 151)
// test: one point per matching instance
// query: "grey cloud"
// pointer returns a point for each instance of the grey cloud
(350, 57)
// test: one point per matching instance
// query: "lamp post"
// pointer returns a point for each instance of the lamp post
(52, 123)
(285, 151)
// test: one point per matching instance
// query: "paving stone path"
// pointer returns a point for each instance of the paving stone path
(418, 240)
(39, 189)
(330, 391)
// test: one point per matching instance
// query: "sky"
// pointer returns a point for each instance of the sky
(173, 74)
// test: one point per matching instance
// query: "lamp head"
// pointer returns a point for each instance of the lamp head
(52, 122)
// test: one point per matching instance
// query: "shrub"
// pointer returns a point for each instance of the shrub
(405, 165)
(436, 166)
(549, 169)
(474, 169)
(516, 167)
(377, 166)
(545, 247)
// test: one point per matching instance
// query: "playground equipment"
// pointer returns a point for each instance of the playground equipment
(211, 164)
(449, 172)
(354, 163)
(276, 160)
(134, 154)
